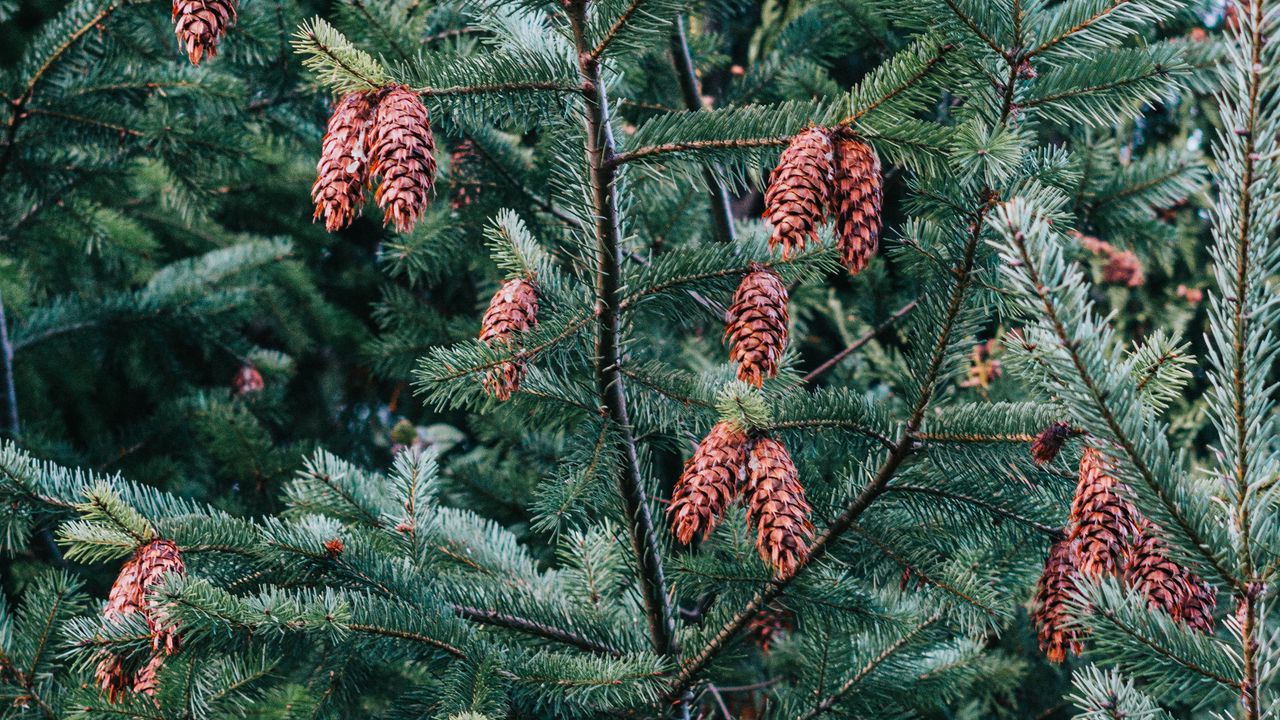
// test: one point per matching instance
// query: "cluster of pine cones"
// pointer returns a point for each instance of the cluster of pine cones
(133, 592)
(1107, 535)
(386, 134)
(821, 171)
(728, 465)
(200, 24)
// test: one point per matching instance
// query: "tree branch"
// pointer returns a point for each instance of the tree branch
(600, 149)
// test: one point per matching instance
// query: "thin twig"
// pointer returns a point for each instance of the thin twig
(866, 338)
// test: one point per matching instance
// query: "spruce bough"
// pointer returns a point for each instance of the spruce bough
(878, 532)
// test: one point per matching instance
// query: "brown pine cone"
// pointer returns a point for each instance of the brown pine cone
(776, 506)
(1124, 268)
(856, 200)
(343, 170)
(795, 203)
(132, 593)
(770, 624)
(1047, 445)
(113, 677)
(145, 684)
(1149, 570)
(1052, 605)
(757, 327)
(401, 147)
(1103, 523)
(712, 479)
(1199, 604)
(463, 163)
(247, 381)
(513, 310)
(200, 24)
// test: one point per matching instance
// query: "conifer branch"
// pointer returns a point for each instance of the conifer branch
(1102, 403)
(863, 340)
(535, 628)
(598, 51)
(600, 149)
(829, 702)
(6, 365)
(1052, 532)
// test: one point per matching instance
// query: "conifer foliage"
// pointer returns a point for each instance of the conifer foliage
(693, 464)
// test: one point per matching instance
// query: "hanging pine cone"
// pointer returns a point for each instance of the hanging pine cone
(132, 593)
(1102, 522)
(1052, 605)
(776, 506)
(200, 24)
(712, 479)
(513, 310)
(464, 163)
(770, 624)
(1199, 604)
(401, 147)
(1047, 445)
(1124, 268)
(146, 681)
(343, 170)
(856, 200)
(1149, 570)
(247, 381)
(757, 327)
(795, 203)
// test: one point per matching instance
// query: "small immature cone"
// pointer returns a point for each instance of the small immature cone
(513, 310)
(1047, 445)
(777, 507)
(856, 200)
(770, 624)
(343, 170)
(200, 24)
(757, 327)
(402, 147)
(1102, 522)
(712, 479)
(795, 203)
(1052, 605)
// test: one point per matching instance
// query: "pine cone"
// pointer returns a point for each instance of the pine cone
(799, 190)
(247, 381)
(1102, 522)
(770, 624)
(343, 170)
(1047, 445)
(1123, 268)
(1149, 570)
(1052, 605)
(856, 200)
(200, 24)
(401, 147)
(1199, 604)
(463, 164)
(131, 593)
(513, 310)
(145, 684)
(757, 327)
(776, 506)
(712, 479)
(112, 677)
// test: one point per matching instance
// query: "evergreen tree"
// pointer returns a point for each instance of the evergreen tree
(872, 518)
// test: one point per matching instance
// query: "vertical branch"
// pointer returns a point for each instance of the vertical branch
(721, 212)
(600, 149)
